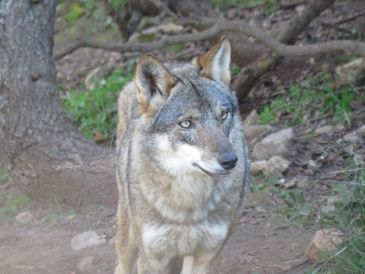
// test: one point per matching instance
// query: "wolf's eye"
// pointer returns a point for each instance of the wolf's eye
(224, 115)
(185, 124)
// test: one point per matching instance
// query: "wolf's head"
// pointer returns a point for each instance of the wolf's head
(189, 112)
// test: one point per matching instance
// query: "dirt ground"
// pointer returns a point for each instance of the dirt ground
(44, 246)
(259, 244)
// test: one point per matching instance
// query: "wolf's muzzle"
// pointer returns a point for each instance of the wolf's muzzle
(228, 160)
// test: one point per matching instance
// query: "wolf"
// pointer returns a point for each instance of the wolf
(182, 164)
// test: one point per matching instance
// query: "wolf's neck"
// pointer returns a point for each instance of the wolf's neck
(183, 199)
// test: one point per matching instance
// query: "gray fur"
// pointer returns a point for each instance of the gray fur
(164, 213)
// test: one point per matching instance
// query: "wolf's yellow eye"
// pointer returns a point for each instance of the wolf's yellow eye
(224, 115)
(185, 124)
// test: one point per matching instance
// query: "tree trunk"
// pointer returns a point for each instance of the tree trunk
(42, 150)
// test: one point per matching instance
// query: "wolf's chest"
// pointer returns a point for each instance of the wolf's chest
(181, 240)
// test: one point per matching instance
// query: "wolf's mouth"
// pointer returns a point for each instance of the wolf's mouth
(223, 172)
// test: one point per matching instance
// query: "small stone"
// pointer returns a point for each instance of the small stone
(328, 209)
(253, 133)
(351, 73)
(170, 28)
(276, 165)
(323, 240)
(86, 239)
(356, 135)
(290, 184)
(275, 144)
(257, 167)
(24, 218)
(85, 264)
(333, 200)
(325, 130)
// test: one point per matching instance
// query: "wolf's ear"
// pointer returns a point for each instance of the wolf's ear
(152, 78)
(214, 64)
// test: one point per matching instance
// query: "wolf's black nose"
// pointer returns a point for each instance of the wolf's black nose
(228, 160)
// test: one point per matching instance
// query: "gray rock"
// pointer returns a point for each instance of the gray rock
(276, 165)
(24, 218)
(86, 239)
(272, 167)
(325, 130)
(356, 135)
(352, 73)
(275, 144)
(253, 133)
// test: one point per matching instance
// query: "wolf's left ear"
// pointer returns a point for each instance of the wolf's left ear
(215, 63)
(152, 78)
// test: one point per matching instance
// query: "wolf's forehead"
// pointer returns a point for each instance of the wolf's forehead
(198, 92)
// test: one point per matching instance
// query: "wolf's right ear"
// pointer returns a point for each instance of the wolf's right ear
(152, 78)
(215, 63)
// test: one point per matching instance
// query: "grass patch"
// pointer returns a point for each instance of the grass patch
(316, 98)
(95, 111)
(56, 215)
(12, 203)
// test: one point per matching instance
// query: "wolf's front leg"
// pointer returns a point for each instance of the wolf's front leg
(154, 265)
(201, 262)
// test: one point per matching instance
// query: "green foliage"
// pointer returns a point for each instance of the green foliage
(56, 215)
(266, 116)
(12, 203)
(316, 98)
(176, 48)
(349, 218)
(76, 10)
(117, 4)
(293, 210)
(146, 37)
(95, 110)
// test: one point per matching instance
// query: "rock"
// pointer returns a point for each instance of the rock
(24, 218)
(86, 239)
(85, 264)
(276, 165)
(290, 184)
(275, 144)
(325, 130)
(323, 240)
(328, 209)
(273, 167)
(257, 167)
(170, 28)
(253, 133)
(352, 73)
(251, 119)
(351, 138)
(333, 200)
(356, 135)
(96, 75)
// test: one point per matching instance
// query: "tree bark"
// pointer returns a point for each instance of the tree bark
(42, 150)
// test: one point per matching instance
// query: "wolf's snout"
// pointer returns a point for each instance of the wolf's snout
(228, 160)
